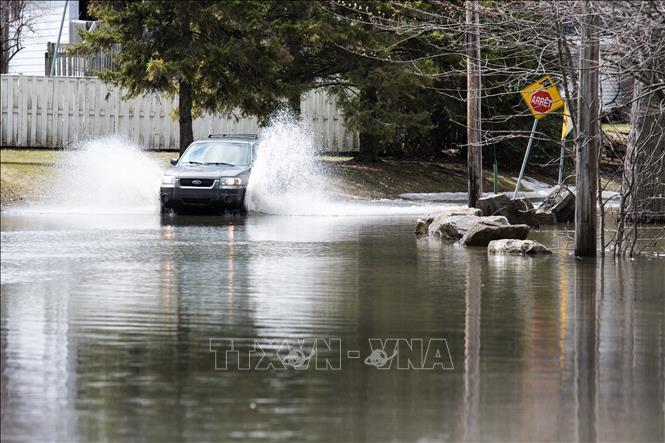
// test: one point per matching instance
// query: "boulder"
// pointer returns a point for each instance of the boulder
(543, 217)
(492, 204)
(484, 232)
(455, 226)
(521, 247)
(516, 211)
(560, 202)
(520, 211)
(423, 223)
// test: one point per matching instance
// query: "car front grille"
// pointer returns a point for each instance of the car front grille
(197, 182)
(196, 201)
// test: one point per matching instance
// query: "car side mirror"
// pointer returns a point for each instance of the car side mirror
(174, 161)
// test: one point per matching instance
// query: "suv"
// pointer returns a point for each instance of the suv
(211, 174)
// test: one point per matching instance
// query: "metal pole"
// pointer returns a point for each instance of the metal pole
(526, 157)
(57, 44)
(563, 153)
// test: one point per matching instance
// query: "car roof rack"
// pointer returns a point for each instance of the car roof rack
(252, 136)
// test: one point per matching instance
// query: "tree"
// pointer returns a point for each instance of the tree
(643, 181)
(216, 56)
(338, 46)
(16, 19)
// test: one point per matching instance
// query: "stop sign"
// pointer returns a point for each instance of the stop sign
(541, 101)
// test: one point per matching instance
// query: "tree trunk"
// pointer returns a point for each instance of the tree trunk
(294, 106)
(588, 137)
(473, 110)
(643, 188)
(185, 115)
(4, 40)
(369, 146)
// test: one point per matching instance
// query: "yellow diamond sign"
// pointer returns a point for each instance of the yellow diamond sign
(542, 97)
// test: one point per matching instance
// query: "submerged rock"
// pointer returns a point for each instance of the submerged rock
(561, 203)
(423, 223)
(455, 226)
(484, 232)
(512, 246)
(544, 217)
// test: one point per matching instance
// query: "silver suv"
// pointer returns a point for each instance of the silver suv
(211, 175)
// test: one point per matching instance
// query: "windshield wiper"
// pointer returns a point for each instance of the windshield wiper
(196, 163)
(219, 163)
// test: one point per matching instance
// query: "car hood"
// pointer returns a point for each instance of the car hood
(206, 171)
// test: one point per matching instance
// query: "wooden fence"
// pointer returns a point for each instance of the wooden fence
(74, 65)
(60, 111)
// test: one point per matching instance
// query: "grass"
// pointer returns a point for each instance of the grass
(25, 173)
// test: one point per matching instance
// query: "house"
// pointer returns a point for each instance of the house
(44, 18)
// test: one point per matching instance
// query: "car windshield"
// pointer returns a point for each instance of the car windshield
(218, 153)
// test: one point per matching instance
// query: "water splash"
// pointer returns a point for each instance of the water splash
(103, 176)
(111, 175)
(286, 178)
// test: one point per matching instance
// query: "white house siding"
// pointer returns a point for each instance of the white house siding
(40, 111)
(46, 16)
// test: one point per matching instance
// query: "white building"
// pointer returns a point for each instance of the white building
(45, 17)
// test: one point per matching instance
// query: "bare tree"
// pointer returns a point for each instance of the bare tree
(534, 38)
(15, 22)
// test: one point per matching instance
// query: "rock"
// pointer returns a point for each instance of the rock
(423, 223)
(484, 232)
(561, 203)
(544, 217)
(511, 246)
(455, 226)
(516, 211)
(520, 211)
(493, 204)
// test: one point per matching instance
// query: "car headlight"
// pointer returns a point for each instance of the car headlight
(231, 181)
(168, 180)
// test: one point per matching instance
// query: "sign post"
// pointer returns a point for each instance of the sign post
(565, 130)
(542, 97)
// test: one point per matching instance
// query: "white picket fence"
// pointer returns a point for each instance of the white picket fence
(60, 111)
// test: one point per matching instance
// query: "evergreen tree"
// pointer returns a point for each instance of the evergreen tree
(216, 56)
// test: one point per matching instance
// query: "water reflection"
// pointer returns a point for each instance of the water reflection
(106, 328)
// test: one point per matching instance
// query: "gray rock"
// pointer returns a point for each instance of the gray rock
(423, 223)
(521, 247)
(516, 211)
(561, 203)
(484, 232)
(544, 217)
(492, 204)
(455, 226)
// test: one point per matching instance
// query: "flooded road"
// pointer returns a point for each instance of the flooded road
(107, 324)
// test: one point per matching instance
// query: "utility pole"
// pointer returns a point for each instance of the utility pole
(588, 138)
(57, 43)
(473, 114)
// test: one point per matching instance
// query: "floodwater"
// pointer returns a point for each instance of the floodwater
(108, 320)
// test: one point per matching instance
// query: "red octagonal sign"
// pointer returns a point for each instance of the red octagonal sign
(541, 101)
